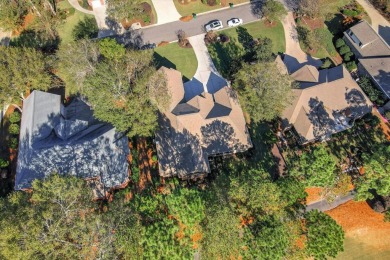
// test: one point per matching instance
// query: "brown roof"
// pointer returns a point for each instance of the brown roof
(320, 110)
(379, 69)
(307, 73)
(371, 43)
(185, 141)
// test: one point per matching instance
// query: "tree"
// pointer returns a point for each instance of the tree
(315, 168)
(324, 236)
(263, 91)
(376, 173)
(14, 129)
(3, 163)
(273, 10)
(75, 61)
(12, 14)
(57, 220)
(340, 43)
(85, 29)
(22, 69)
(310, 8)
(111, 50)
(124, 9)
(264, 50)
(14, 117)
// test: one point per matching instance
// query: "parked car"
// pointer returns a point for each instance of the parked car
(213, 25)
(148, 46)
(234, 22)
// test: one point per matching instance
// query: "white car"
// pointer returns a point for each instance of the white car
(213, 25)
(234, 22)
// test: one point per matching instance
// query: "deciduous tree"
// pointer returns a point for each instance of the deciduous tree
(263, 91)
(273, 10)
(124, 9)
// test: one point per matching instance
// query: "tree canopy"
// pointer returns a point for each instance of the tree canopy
(315, 168)
(263, 91)
(21, 69)
(273, 10)
(124, 9)
(376, 173)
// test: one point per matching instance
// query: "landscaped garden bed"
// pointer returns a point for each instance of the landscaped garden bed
(188, 7)
(147, 17)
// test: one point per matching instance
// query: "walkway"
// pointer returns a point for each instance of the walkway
(323, 205)
(76, 5)
(166, 11)
(294, 56)
(378, 22)
(206, 78)
(106, 25)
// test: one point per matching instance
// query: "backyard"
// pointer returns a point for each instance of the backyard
(188, 7)
(176, 57)
(66, 28)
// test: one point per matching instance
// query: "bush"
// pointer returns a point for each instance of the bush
(14, 129)
(344, 49)
(327, 63)
(374, 94)
(212, 2)
(13, 143)
(387, 115)
(85, 29)
(347, 56)
(154, 158)
(351, 66)
(3, 163)
(339, 43)
(14, 117)
(350, 13)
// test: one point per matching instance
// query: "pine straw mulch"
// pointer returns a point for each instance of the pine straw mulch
(314, 194)
(361, 222)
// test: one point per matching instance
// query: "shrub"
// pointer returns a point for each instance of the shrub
(14, 129)
(154, 158)
(13, 143)
(350, 13)
(327, 63)
(182, 38)
(3, 163)
(351, 66)
(212, 2)
(344, 49)
(14, 117)
(224, 38)
(339, 43)
(85, 29)
(387, 114)
(210, 37)
(347, 56)
(374, 94)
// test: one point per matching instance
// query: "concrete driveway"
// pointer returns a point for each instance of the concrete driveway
(323, 205)
(294, 56)
(166, 11)
(166, 32)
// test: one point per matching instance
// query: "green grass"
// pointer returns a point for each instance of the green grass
(198, 7)
(331, 6)
(65, 29)
(259, 29)
(181, 59)
(354, 249)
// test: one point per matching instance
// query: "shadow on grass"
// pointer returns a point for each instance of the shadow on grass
(161, 61)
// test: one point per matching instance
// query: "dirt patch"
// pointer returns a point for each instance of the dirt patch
(163, 43)
(270, 24)
(361, 222)
(314, 194)
(313, 23)
(186, 18)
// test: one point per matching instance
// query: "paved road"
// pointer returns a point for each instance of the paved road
(166, 32)
(323, 205)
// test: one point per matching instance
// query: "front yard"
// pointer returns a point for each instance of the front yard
(181, 59)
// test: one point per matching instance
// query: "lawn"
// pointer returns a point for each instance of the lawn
(65, 29)
(354, 249)
(173, 56)
(260, 29)
(198, 7)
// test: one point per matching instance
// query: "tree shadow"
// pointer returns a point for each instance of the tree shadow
(37, 40)
(5, 41)
(384, 32)
(130, 39)
(256, 7)
(320, 119)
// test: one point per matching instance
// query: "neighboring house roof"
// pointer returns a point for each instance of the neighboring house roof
(192, 130)
(327, 107)
(379, 70)
(68, 141)
(366, 41)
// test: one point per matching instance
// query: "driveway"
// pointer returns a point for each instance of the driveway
(378, 22)
(294, 56)
(166, 32)
(323, 205)
(166, 11)
(5, 37)
(106, 25)
(76, 5)
(206, 78)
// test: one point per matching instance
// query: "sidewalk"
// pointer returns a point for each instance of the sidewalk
(166, 11)
(76, 5)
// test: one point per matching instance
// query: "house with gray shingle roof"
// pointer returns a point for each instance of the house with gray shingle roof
(373, 53)
(68, 140)
(198, 127)
(327, 101)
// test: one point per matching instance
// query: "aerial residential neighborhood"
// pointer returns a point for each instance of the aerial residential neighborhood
(194, 129)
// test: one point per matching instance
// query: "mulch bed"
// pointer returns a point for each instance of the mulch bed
(148, 10)
(313, 23)
(269, 25)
